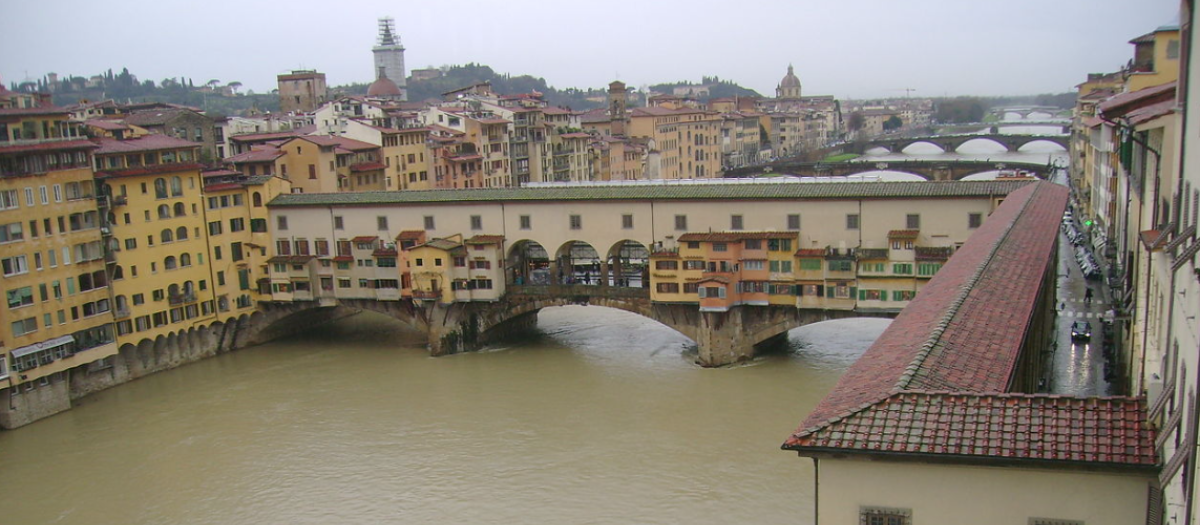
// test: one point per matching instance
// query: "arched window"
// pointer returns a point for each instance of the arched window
(122, 303)
(188, 287)
(164, 211)
(185, 260)
(180, 209)
(118, 272)
(173, 291)
(166, 235)
(160, 188)
(181, 233)
(257, 200)
(169, 263)
(176, 186)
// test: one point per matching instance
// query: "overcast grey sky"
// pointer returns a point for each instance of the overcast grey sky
(847, 48)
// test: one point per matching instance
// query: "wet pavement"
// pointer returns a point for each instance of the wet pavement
(1079, 365)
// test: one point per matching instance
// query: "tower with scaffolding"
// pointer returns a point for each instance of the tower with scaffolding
(389, 55)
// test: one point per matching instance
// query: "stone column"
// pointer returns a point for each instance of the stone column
(722, 339)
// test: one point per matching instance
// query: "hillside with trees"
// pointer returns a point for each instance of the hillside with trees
(716, 87)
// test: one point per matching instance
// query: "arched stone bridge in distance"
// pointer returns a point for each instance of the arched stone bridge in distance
(927, 169)
(951, 143)
(721, 338)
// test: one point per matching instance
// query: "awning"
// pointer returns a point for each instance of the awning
(37, 347)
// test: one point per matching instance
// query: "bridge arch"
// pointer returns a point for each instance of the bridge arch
(902, 147)
(577, 262)
(527, 262)
(981, 141)
(1042, 141)
(628, 263)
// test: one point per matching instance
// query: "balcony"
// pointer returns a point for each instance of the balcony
(181, 298)
(427, 295)
(120, 313)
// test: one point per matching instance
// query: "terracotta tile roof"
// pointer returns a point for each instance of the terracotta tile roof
(904, 234)
(712, 278)
(150, 142)
(962, 336)
(1120, 104)
(263, 154)
(441, 244)
(734, 236)
(19, 112)
(263, 137)
(365, 238)
(222, 186)
(301, 259)
(155, 117)
(810, 252)
(1005, 426)
(367, 166)
(576, 135)
(384, 252)
(410, 234)
(278, 259)
(219, 172)
(1150, 238)
(51, 145)
(343, 258)
(150, 170)
(485, 239)
(338, 142)
(107, 124)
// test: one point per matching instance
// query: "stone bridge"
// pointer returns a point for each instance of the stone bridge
(721, 338)
(927, 169)
(950, 143)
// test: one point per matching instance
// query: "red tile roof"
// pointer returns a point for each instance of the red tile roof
(107, 124)
(1006, 426)
(810, 252)
(384, 252)
(367, 166)
(904, 234)
(365, 238)
(18, 112)
(222, 186)
(150, 170)
(410, 234)
(262, 137)
(957, 345)
(485, 239)
(264, 154)
(339, 142)
(52, 145)
(734, 236)
(150, 142)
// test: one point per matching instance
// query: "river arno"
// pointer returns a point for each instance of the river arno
(600, 418)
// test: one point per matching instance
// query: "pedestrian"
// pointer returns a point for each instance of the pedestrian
(1087, 296)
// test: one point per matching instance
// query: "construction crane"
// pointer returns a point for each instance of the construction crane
(907, 91)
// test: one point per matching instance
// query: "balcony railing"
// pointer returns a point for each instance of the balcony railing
(120, 313)
(181, 298)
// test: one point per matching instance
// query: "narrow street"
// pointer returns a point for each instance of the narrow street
(1078, 364)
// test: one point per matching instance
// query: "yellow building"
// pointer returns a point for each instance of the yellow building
(1155, 58)
(686, 139)
(323, 164)
(161, 279)
(238, 237)
(434, 274)
(58, 313)
(405, 153)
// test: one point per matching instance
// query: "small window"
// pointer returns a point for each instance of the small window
(793, 221)
(851, 221)
(735, 222)
(281, 222)
(974, 220)
(429, 224)
(337, 223)
(381, 222)
(476, 222)
(627, 221)
(576, 222)
(681, 222)
(884, 516)
(525, 222)
(912, 221)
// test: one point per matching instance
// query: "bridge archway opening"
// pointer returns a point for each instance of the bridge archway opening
(1038, 115)
(981, 145)
(922, 147)
(609, 333)
(1013, 115)
(850, 338)
(528, 263)
(578, 263)
(1041, 146)
(877, 150)
(628, 265)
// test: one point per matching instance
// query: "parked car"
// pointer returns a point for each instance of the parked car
(1081, 331)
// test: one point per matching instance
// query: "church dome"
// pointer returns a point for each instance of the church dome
(383, 87)
(790, 79)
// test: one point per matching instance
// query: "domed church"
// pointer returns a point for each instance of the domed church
(789, 87)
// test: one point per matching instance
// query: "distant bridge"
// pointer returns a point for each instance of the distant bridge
(950, 143)
(1025, 111)
(927, 169)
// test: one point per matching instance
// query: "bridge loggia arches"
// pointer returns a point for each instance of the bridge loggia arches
(576, 262)
(628, 264)
(528, 263)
